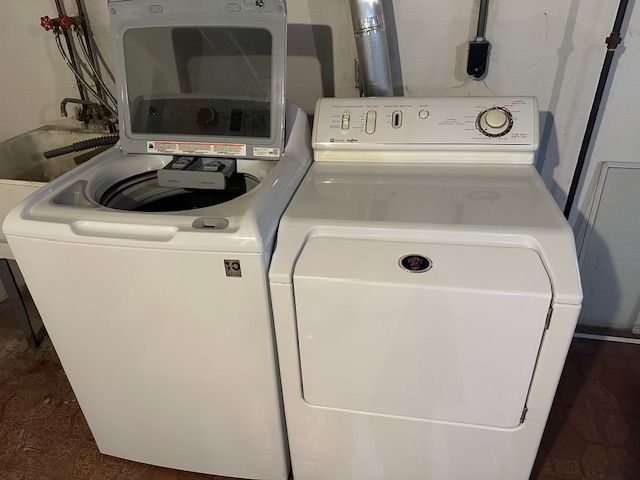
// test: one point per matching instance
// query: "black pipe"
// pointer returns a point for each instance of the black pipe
(483, 12)
(72, 57)
(85, 31)
(105, 141)
(612, 41)
(478, 56)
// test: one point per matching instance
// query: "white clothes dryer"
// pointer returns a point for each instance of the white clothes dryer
(425, 291)
(154, 289)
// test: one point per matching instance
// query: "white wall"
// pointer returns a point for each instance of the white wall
(33, 79)
(548, 48)
(617, 134)
(611, 263)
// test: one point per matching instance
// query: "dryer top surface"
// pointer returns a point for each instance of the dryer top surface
(501, 205)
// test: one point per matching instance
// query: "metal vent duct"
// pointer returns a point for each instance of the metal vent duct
(373, 48)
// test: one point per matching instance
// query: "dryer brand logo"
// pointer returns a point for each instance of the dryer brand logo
(232, 268)
(415, 263)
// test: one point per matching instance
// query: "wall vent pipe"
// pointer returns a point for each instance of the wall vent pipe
(373, 48)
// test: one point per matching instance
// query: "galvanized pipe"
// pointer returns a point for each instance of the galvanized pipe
(373, 49)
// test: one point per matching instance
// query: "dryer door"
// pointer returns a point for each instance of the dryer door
(430, 331)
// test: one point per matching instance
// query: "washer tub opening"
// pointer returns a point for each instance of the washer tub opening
(141, 193)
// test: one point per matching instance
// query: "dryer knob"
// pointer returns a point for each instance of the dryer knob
(495, 122)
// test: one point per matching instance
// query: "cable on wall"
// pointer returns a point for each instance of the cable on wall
(479, 48)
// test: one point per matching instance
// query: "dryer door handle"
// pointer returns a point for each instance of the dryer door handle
(156, 233)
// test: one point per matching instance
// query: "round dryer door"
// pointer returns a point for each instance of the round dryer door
(142, 193)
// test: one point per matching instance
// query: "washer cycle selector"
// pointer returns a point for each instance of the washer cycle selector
(495, 122)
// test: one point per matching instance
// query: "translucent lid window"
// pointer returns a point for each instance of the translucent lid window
(199, 81)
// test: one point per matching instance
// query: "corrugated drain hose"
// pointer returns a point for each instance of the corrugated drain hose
(105, 141)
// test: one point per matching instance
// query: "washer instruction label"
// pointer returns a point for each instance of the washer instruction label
(198, 148)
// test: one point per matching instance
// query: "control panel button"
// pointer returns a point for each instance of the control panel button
(495, 122)
(370, 124)
(346, 121)
(423, 114)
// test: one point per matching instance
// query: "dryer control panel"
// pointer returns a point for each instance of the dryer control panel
(442, 124)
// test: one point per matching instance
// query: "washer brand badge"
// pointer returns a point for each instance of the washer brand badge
(415, 263)
(198, 148)
(232, 268)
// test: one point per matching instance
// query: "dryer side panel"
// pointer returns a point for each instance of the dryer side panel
(457, 342)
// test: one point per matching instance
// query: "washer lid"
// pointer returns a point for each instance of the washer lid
(200, 77)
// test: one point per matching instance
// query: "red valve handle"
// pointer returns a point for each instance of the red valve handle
(66, 22)
(47, 23)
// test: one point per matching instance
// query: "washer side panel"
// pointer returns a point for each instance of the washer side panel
(172, 361)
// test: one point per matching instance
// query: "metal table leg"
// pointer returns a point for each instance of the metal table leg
(18, 306)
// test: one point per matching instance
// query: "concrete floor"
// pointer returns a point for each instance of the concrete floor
(593, 431)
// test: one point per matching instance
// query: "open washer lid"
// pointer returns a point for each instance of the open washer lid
(200, 77)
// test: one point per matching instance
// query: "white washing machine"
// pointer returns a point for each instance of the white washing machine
(425, 291)
(154, 290)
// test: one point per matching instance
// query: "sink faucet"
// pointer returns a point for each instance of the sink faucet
(63, 104)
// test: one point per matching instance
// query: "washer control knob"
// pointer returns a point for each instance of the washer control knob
(495, 122)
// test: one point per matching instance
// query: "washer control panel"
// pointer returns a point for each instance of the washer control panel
(427, 122)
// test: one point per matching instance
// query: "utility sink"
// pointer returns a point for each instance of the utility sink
(23, 168)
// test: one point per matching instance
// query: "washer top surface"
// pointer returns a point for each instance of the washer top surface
(114, 199)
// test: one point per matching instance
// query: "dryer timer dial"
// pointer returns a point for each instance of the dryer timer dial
(495, 122)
